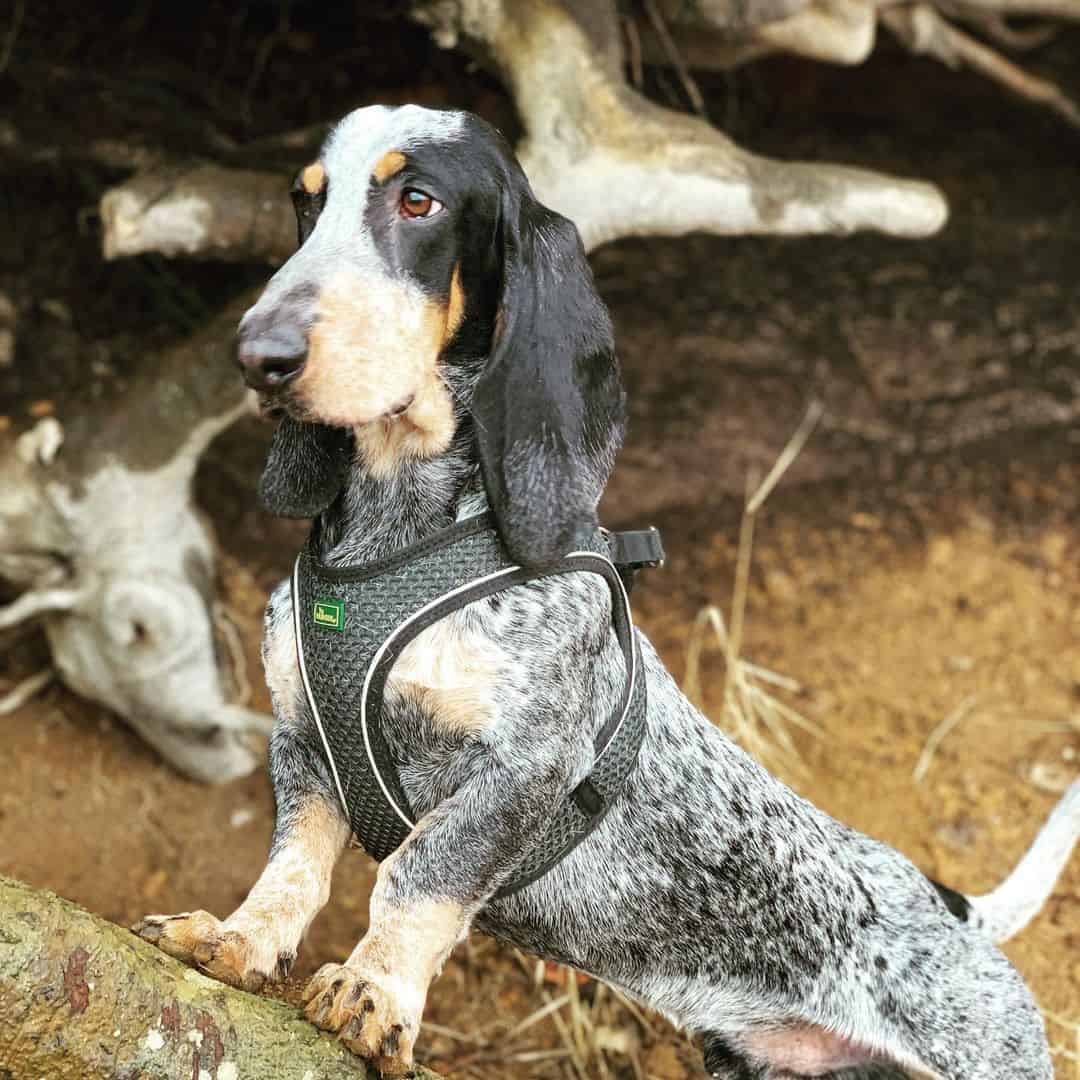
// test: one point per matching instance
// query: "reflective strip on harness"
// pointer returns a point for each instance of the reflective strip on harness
(315, 714)
(369, 787)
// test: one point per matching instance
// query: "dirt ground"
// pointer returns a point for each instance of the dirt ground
(920, 563)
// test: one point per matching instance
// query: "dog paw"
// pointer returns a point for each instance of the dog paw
(373, 1023)
(201, 940)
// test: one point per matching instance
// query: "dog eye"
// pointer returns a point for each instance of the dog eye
(418, 204)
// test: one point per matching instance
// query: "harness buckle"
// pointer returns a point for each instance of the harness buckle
(636, 549)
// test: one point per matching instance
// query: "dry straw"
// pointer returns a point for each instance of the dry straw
(749, 713)
(1068, 1052)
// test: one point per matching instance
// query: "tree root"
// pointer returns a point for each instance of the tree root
(24, 691)
(99, 535)
(925, 31)
(619, 165)
(589, 135)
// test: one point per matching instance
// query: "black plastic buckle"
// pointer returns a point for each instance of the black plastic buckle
(636, 548)
(588, 798)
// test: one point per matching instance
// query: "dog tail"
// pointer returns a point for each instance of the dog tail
(1004, 912)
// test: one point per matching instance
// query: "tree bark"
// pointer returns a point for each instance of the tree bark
(82, 999)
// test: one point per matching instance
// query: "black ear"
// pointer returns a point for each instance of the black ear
(549, 406)
(305, 468)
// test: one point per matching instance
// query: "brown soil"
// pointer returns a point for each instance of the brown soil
(923, 555)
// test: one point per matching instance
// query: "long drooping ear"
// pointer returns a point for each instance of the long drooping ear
(549, 406)
(305, 468)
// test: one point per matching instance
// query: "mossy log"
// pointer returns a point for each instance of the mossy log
(82, 999)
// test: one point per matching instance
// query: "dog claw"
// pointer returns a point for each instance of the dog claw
(203, 953)
(391, 1042)
(366, 1019)
(201, 940)
(148, 930)
(284, 966)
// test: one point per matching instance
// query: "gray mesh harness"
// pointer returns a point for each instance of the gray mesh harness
(353, 622)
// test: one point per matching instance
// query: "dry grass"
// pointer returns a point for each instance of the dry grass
(937, 736)
(231, 642)
(750, 713)
(574, 1029)
(1066, 1048)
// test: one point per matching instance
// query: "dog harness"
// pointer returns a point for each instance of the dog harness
(352, 623)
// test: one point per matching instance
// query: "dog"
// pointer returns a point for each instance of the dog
(435, 349)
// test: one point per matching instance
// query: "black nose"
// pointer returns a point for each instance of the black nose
(270, 357)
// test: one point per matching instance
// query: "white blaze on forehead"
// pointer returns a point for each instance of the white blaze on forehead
(341, 238)
(365, 136)
(350, 155)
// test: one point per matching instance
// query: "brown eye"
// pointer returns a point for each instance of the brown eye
(418, 204)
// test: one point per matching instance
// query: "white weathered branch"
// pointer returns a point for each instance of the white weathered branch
(38, 602)
(620, 165)
(599, 152)
(26, 690)
(995, 27)
(1068, 10)
(205, 211)
(98, 530)
(722, 34)
(595, 149)
(832, 31)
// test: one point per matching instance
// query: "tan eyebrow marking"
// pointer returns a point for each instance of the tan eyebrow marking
(388, 165)
(455, 309)
(313, 178)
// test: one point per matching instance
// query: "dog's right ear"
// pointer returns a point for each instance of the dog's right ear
(549, 404)
(305, 468)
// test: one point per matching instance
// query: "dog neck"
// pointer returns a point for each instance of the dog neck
(375, 516)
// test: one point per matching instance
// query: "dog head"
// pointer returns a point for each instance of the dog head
(432, 295)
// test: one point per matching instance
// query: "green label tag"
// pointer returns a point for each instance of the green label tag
(330, 614)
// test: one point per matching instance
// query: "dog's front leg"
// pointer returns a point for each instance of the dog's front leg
(425, 898)
(259, 940)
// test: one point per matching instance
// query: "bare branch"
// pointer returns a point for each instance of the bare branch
(671, 50)
(925, 31)
(32, 604)
(832, 31)
(22, 692)
(205, 211)
(1050, 9)
(995, 27)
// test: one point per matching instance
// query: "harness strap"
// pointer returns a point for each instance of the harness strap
(368, 783)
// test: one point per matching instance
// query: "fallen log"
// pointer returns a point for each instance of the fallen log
(82, 999)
